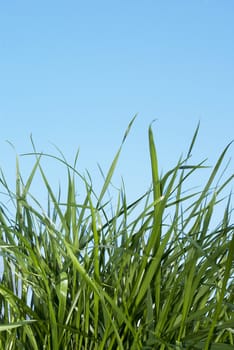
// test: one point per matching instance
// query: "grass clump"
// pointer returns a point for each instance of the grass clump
(152, 274)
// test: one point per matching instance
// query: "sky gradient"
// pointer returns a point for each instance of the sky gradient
(74, 74)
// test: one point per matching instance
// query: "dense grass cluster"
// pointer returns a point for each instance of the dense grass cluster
(152, 274)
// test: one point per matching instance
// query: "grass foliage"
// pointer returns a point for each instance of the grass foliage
(152, 274)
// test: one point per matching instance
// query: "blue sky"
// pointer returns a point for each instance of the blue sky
(74, 73)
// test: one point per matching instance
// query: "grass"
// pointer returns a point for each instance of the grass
(152, 274)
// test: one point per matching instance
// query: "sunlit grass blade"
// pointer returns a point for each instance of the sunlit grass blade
(7, 327)
(113, 165)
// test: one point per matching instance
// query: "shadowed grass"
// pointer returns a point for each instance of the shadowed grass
(152, 274)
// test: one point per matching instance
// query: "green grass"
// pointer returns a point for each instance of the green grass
(92, 274)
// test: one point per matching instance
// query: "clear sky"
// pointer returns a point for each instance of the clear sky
(74, 73)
